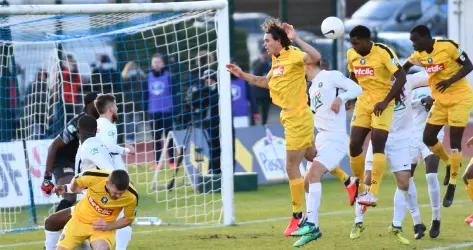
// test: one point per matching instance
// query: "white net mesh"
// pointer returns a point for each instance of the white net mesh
(49, 63)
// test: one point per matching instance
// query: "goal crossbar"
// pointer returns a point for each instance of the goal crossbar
(50, 9)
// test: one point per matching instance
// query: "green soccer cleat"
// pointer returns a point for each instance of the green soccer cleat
(314, 234)
(396, 231)
(303, 230)
(356, 230)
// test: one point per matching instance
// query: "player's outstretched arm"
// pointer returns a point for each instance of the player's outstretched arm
(260, 81)
(396, 89)
(407, 65)
(51, 158)
(312, 55)
(72, 187)
(466, 68)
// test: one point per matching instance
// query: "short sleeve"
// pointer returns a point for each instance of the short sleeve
(390, 61)
(349, 59)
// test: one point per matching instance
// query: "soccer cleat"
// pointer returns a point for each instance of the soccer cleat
(396, 231)
(446, 179)
(313, 234)
(293, 224)
(434, 229)
(367, 200)
(303, 229)
(356, 230)
(352, 189)
(449, 195)
(419, 230)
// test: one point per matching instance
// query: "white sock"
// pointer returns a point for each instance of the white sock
(400, 197)
(315, 193)
(434, 194)
(412, 203)
(51, 239)
(122, 237)
(358, 213)
(306, 201)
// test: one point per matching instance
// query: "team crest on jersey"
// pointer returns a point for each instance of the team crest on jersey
(104, 200)
(362, 61)
(430, 60)
(321, 84)
(278, 70)
(94, 151)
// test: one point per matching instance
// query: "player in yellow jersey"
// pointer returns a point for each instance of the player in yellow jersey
(373, 66)
(288, 89)
(94, 218)
(447, 66)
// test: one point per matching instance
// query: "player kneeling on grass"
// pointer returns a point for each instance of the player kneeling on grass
(328, 93)
(94, 218)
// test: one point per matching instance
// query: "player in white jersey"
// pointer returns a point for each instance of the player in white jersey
(107, 130)
(421, 104)
(328, 93)
(398, 156)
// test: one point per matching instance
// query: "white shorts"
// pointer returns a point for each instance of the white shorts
(397, 156)
(418, 150)
(331, 147)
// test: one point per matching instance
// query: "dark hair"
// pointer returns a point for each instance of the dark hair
(89, 98)
(274, 27)
(422, 31)
(120, 179)
(102, 102)
(88, 124)
(360, 31)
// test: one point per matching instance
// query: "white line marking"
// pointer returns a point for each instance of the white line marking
(250, 222)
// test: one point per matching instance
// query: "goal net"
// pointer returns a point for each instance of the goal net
(164, 63)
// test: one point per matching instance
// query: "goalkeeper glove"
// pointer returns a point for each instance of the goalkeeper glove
(48, 185)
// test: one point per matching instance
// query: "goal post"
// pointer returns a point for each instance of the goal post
(47, 39)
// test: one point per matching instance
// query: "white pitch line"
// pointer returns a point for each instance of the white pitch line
(250, 222)
(453, 246)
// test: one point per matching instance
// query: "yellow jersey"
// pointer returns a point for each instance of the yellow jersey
(287, 84)
(374, 72)
(441, 64)
(97, 203)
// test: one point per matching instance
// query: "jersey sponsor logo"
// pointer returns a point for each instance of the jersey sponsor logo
(434, 68)
(98, 208)
(278, 71)
(364, 71)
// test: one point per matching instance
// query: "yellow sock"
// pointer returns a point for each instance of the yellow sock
(297, 194)
(340, 174)
(379, 166)
(455, 158)
(439, 151)
(469, 188)
(357, 165)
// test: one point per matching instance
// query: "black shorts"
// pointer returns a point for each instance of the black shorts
(63, 170)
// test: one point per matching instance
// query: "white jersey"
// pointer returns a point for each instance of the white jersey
(92, 154)
(402, 125)
(325, 87)
(107, 132)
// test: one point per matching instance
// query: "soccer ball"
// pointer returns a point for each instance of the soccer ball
(332, 27)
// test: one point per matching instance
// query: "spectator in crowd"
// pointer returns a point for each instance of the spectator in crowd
(36, 105)
(71, 81)
(160, 104)
(134, 80)
(105, 79)
(260, 96)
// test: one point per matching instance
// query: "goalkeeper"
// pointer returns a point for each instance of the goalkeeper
(62, 152)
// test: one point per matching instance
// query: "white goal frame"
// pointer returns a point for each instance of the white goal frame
(223, 57)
